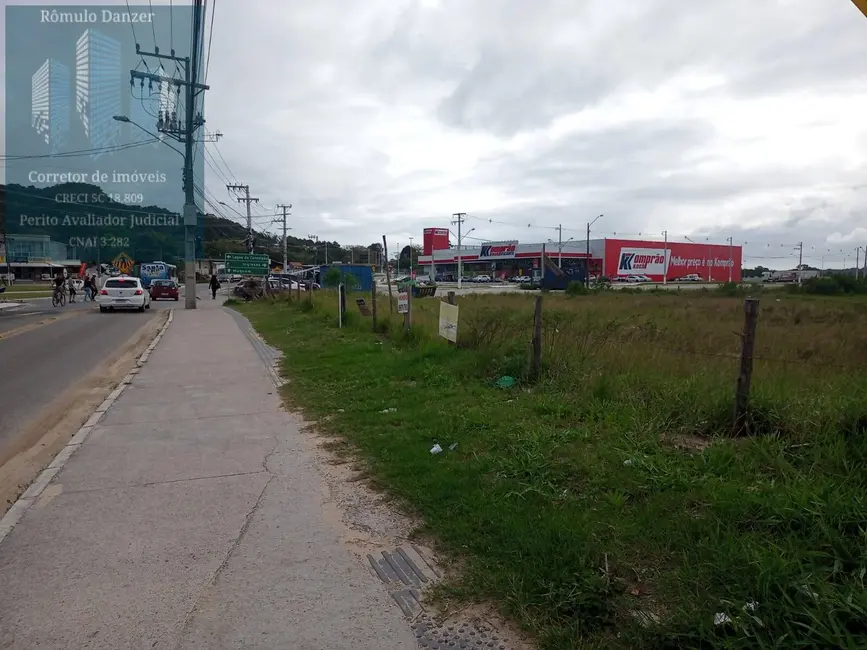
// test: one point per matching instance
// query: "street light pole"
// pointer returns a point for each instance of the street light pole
(587, 258)
(665, 258)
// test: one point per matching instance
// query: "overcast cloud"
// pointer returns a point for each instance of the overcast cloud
(739, 118)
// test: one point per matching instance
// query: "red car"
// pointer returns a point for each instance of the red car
(164, 290)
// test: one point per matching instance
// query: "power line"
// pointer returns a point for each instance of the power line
(83, 152)
(153, 27)
(210, 39)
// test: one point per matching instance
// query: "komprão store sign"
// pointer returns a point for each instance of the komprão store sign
(85, 162)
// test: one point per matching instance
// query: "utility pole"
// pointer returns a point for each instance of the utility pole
(285, 209)
(665, 257)
(248, 200)
(800, 248)
(459, 220)
(171, 126)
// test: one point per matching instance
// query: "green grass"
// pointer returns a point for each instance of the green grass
(28, 288)
(613, 486)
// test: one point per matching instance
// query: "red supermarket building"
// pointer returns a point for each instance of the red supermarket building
(609, 257)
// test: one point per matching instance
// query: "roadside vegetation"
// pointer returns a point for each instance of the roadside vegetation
(608, 505)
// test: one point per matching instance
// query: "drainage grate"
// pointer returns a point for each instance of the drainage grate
(406, 570)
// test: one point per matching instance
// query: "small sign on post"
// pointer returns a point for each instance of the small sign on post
(362, 307)
(448, 322)
(403, 301)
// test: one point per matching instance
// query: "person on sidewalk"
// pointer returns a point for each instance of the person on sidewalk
(71, 288)
(215, 284)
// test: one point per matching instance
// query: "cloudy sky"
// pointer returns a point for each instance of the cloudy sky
(739, 118)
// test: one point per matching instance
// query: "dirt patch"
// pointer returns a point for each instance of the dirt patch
(686, 441)
(60, 420)
(369, 521)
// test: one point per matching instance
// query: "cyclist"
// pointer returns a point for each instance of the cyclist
(58, 288)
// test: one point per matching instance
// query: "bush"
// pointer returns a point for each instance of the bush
(576, 289)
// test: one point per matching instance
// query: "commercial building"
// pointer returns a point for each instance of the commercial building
(98, 87)
(50, 103)
(607, 257)
(35, 257)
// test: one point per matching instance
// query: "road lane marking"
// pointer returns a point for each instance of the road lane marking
(46, 321)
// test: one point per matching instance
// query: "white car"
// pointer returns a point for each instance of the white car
(483, 278)
(638, 278)
(123, 292)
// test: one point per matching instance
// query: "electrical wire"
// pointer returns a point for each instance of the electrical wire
(210, 40)
(81, 152)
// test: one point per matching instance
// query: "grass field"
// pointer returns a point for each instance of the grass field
(28, 288)
(607, 505)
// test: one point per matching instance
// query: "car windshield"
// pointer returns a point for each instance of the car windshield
(162, 283)
(121, 284)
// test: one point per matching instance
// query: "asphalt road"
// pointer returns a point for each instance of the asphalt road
(45, 349)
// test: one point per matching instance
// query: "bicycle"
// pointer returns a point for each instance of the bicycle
(58, 297)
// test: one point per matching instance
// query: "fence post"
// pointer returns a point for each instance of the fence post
(740, 423)
(340, 305)
(536, 366)
(388, 273)
(373, 304)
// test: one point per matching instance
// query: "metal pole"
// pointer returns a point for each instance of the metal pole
(459, 221)
(731, 260)
(587, 259)
(560, 246)
(665, 258)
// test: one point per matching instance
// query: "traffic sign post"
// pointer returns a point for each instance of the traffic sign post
(247, 264)
(123, 263)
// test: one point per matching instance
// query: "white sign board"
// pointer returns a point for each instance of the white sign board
(501, 250)
(402, 302)
(643, 261)
(449, 321)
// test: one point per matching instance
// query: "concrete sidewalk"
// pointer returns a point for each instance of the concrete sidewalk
(191, 517)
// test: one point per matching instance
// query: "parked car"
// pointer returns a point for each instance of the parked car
(621, 278)
(638, 278)
(164, 290)
(123, 292)
(692, 277)
(483, 278)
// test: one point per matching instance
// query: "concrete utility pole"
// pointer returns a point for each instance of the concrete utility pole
(459, 220)
(800, 248)
(248, 200)
(410, 255)
(171, 126)
(285, 209)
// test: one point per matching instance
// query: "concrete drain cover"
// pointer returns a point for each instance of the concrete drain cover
(406, 570)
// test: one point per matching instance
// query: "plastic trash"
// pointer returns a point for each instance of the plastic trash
(453, 446)
(390, 410)
(506, 382)
(436, 449)
(721, 618)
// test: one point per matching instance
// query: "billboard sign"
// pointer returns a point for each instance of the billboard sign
(68, 97)
(642, 261)
(435, 239)
(711, 262)
(503, 250)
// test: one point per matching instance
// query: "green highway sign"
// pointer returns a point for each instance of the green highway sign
(247, 263)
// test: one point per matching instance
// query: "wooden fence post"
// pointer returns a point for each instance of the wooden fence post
(740, 423)
(340, 305)
(536, 365)
(373, 304)
(388, 274)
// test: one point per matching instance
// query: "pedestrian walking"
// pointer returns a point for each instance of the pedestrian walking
(70, 285)
(214, 284)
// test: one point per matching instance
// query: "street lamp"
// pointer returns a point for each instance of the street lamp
(587, 258)
(126, 120)
(410, 255)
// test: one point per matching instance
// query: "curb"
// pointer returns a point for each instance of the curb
(16, 512)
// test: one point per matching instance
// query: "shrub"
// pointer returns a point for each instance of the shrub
(576, 289)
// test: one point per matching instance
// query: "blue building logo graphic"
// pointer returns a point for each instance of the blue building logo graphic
(98, 84)
(50, 104)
